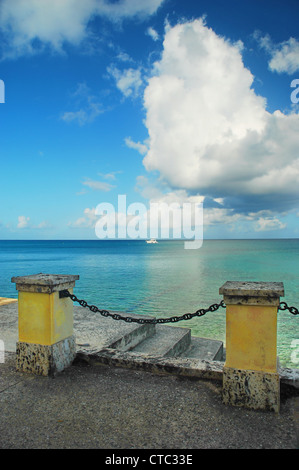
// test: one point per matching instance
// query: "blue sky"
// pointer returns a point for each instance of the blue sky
(160, 100)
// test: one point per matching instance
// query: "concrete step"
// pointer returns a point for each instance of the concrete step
(95, 332)
(205, 349)
(168, 341)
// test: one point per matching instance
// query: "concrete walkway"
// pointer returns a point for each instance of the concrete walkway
(93, 406)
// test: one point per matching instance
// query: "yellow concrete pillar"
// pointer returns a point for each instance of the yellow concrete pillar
(46, 341)
(250, 376)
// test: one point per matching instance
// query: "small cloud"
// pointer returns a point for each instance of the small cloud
(124, 57)
(152, 33)
(80, 193)
(89, 106)
(83, 116)
(218, 216)
(269, 223)
(87, 221)
(109, 176)
(265, 42)
(128, 81)
(79, 116)
(43, 225)
(142, 148)
(284, 55)
(98, 185)
(285, 58)
(219, 200)
(23, 221)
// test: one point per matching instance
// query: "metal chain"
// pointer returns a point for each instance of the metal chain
(186, 316)
(284, 306)
(116, 316)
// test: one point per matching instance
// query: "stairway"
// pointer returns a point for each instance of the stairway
(95, 333)
(171, 341)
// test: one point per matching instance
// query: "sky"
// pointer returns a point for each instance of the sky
(172, 101)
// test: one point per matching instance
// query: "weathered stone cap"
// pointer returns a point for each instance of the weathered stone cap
(45, 283)
(254, 293)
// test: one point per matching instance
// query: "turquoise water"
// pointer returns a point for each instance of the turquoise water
(163, 279)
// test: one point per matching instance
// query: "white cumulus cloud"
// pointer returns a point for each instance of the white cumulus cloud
(209, 132)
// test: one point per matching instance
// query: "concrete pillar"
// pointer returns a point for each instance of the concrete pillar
(46, 341)
(250, 375)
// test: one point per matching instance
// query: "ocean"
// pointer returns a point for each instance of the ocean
(164, 279)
